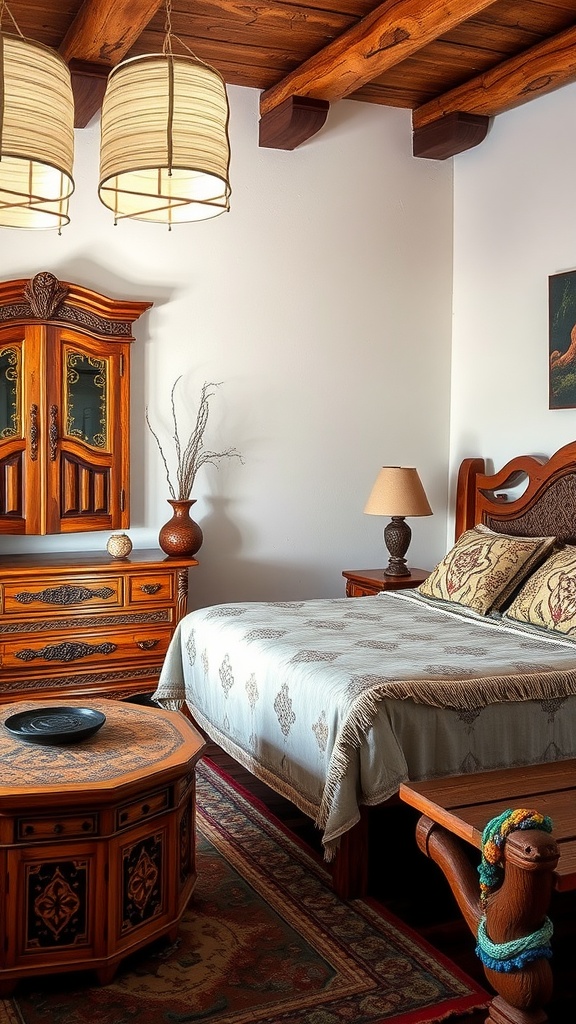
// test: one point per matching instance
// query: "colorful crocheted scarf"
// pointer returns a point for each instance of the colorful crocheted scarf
(515, 954)
(493, 837)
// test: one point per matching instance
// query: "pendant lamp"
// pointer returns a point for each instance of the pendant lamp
(36, 135)
(165, 154)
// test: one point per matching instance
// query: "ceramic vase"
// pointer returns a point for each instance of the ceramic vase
(119, 545)
(180, 535)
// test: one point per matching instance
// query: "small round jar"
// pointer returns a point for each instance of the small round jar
(119, 545)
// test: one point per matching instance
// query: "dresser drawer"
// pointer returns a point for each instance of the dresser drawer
(45, 594)
(150, 588)
(105, 648)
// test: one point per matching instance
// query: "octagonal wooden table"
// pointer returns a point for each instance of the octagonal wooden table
(97, 850)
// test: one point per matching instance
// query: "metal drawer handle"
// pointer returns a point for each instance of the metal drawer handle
(65, 651)
(147, 645)
(29, 830)
(64, 594)
(58, 829)
(145, 808)
(53, 432)
(33, 432)
(150, 588)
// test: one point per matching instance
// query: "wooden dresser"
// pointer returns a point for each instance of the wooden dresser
(87, 625)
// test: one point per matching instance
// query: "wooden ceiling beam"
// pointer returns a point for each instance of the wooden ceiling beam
(539, 70)
(100, 36)
(389, 34)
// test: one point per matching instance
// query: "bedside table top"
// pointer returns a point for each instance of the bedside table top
(378, 578)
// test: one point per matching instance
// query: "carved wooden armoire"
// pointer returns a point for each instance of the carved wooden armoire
(74, 623)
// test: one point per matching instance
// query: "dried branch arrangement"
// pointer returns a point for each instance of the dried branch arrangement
(193, 455)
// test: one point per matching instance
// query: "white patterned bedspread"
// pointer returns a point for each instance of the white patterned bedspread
(335, 702)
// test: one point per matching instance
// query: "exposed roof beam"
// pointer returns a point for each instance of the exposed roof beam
(443, 127)
(101, 34)
(386, 36)
(104, 30)
(539, 70)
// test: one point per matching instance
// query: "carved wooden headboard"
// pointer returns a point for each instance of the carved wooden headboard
(547, 506)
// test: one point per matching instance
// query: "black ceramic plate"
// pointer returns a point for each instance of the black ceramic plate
(55, 725)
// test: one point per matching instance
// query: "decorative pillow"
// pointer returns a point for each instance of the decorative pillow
(548, 597)
(484, 568)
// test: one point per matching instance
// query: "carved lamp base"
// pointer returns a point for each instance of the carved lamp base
(397, 537)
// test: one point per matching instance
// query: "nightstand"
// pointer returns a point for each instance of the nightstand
(363, 582)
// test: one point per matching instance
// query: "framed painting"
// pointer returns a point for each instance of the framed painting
(562, 340)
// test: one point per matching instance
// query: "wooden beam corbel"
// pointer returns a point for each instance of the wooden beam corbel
(385, 37)
(100, 36)
(88, 86)
(450, 135)
(292, 122)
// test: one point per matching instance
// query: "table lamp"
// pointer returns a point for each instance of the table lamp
(397, 492)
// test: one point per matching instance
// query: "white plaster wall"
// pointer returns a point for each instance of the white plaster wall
(322, 301)
(514, 225)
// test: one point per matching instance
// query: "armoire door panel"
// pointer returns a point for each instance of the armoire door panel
(85, 490)
(11, 484)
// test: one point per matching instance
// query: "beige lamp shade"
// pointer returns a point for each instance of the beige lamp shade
(36, 135)
(165, 152)
(398, 491)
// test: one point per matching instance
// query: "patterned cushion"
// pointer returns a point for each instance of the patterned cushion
(484, 568)
(548, 597)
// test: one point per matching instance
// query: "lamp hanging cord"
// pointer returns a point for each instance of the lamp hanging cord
(170, 35)
(167, 44)
(4, 7)
(167, 51)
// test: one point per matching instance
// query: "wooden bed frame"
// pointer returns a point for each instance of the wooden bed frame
(456, 809)
(546, 507)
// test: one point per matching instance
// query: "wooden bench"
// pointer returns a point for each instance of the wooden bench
(455, 811)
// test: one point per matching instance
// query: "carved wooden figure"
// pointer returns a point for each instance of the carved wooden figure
(455, 812)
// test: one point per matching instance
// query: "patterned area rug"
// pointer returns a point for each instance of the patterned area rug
(264, 941)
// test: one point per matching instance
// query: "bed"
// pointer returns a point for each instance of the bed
(335, 702)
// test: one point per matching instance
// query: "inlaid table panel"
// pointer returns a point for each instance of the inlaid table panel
(97, 851)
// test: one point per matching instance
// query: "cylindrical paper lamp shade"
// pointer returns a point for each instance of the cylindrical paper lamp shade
(398, 491)
(36, 135)
(165, 152)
